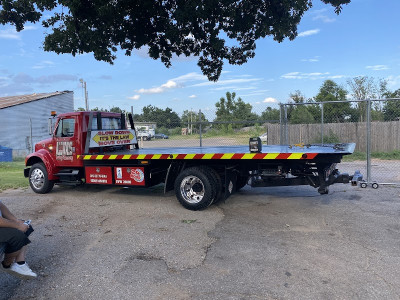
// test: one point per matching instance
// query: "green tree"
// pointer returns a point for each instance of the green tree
(234, 110)
(167, 28)
(270, 114)
(163, 118)
(334, 112)
(116, 109)
(299, 114)
(391, 109)
(190, 118)
(363, 88)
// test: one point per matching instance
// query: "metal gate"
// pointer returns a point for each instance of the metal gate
(373, 124)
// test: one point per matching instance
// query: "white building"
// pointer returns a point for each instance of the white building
(24, 118)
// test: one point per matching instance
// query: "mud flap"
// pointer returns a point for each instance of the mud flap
(173, 171)
(229, 183)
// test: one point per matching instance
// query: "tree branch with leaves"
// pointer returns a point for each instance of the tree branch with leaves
(215, 31)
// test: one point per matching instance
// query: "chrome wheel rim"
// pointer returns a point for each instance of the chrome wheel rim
(37, 179)
(192, 189)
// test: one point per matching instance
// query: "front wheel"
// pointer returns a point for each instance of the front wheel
(39, 180)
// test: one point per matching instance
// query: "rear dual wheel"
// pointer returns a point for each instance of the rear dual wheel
(197, 187)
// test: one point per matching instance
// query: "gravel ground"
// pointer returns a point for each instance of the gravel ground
(267, 243)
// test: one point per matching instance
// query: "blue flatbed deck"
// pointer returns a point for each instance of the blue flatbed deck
(227, 152)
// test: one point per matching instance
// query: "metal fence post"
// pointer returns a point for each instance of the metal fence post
(281, 123)
(322, 124)
(201, 140)
(286, 127)
(368, 140)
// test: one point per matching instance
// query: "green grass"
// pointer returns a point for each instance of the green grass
(393, 155)
(12, 175)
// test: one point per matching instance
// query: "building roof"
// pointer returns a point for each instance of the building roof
(16, 100)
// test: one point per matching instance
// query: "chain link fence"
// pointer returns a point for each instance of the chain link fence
(373, 124)
(206, 129)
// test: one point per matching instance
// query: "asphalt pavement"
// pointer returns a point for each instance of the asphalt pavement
(265, 243)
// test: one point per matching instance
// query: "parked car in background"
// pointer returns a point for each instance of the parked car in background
(145, 136)
(160, 136)
(264, 138)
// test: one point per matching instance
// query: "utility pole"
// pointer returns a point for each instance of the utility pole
(83, 82)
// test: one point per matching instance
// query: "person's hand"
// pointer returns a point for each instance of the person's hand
(23, 227)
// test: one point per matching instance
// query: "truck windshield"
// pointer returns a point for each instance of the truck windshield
(107, 123)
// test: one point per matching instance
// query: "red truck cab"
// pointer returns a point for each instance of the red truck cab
(59, 155)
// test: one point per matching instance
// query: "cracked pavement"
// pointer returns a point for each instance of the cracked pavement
(266, 243)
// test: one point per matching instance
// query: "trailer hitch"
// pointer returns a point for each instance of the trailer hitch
(356, 178)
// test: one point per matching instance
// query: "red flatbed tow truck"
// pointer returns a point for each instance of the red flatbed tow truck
(98, 148)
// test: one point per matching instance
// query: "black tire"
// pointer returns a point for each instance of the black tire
(241, 181)
(39, 180)
(195, 188)
(218, 184)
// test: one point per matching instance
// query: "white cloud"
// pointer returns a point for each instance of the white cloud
(292, 75)
(270, 100)
(134, 97)
(324, 19)
(234, 88)
(393, 81)
(22, 83)
(10, 34)
(377, 67)
(29, 27)
(193, 76)
(320, 14)
(309, 32)
(314, 75)
(314, 59)
(336, 76)
(177, 82)
(192, 96)
(318, 11)
(170, 84)
(43, 64)
(227, 82)
(199, 80)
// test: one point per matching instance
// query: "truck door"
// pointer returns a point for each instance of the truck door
(66, 142)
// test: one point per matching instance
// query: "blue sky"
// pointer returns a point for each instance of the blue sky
(363, 40)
